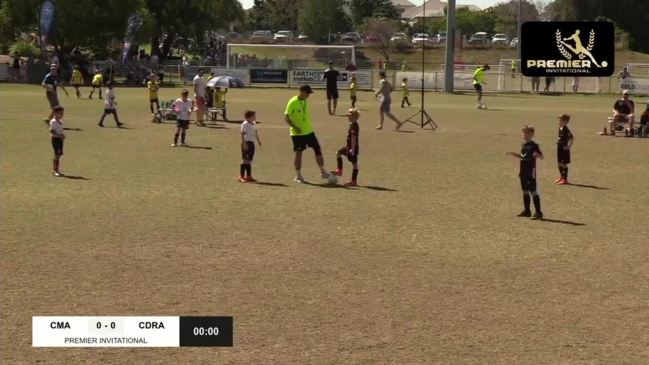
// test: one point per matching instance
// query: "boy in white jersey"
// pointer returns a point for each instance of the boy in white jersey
(183, 108)
(248, 136)
(109, 105)
(58, 135)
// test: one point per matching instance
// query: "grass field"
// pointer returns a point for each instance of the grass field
(424, 263)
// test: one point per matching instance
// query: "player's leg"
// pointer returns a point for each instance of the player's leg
(151, 102)
(114, 112)
(537, 205)
(335, 97)
(101, 120)
(250, 156)
(297, 162)
(339, 160)
(99, 88)
(178, 129)
(92, 91)
(354, 161)
(353, 101)
(329, 102)
(183, 134)
(317, 150)
(395, 120)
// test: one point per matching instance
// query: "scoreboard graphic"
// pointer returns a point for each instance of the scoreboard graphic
(132, 331)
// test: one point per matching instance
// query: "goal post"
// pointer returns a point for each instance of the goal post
(288, 55)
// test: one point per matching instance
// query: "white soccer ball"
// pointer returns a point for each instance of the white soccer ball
(332, 179)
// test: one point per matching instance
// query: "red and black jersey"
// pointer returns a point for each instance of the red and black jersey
(353, 131)
(564, 136)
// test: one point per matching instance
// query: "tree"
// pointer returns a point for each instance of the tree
(318, 18)
(507, 16)
(469, 22)
(382, 30)
(274, 14)
(380, 9)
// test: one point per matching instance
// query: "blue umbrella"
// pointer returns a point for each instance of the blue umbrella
(225, 82)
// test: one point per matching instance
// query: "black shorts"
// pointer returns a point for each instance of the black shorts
(353, 97)
(528, 182)
(57, 145)
(110, 111)
(332, 93)
(52, 98)
(184, 124)
(300, 143)
(351, 158)
(478, 87)
(153, 101)
(248, 154)
(563, 155)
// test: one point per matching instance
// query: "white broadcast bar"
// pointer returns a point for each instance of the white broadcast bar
(63, 331)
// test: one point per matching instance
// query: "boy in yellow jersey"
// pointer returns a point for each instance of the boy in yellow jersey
(353, 86)
(77, 80)
(405, 92)
(478, 80)
(219, 100)
(97, 82)
(153, 87)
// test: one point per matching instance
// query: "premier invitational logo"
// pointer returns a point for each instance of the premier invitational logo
(567, 49)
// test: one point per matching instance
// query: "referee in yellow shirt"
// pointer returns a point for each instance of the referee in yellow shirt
(77, 80)
(478, 80)
(299, 120)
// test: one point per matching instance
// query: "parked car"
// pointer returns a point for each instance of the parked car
(514, 42)
(422, 38)
(351, 37)
(283, 36)
(371, 38)
(262, 36)
(441, 37)
(499, 40)
(399, 37)
(480, 40)
(302, 37)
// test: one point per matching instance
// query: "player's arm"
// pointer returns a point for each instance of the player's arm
(353, 146)
(243, 139)
(257, 137)
(291, 124)
(538, 154)
(513, 154)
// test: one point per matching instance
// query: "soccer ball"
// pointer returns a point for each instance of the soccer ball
(332, 179)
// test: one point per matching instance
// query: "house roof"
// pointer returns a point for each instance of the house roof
(402, 3)
(434, 8)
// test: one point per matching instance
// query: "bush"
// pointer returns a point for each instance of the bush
(24, 48)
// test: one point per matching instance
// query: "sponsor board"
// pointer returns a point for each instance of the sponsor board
(636, 86)
(268, 76)
(314, 78)
(240, 73)
(434, 80)
(567, 49)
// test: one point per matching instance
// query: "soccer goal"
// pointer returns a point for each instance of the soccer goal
(509, 74)
(289, 56)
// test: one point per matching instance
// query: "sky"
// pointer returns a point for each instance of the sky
(480, 3)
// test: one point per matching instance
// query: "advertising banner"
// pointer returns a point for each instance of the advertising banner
(265, 76)
(314, 78)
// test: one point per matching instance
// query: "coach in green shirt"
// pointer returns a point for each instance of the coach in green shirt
(299, 120)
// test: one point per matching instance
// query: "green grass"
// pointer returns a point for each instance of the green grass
(424, 263)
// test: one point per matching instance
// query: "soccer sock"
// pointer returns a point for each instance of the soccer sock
(182, 137)
(249, 169)
(176, 138)
(537, 203)
(561, 171)
(354, 174)
(339, 161)
(526, 201)
(565, 172)
(116, 118)
(55, 165)
(151, 107)
(242, 170)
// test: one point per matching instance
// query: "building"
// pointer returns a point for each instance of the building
(434, 9)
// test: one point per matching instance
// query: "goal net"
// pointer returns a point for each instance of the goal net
(289, 56)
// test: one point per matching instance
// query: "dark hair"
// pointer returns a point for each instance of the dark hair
(184, 91)
(405, 79)
(249, 113)
(57, 109)
(382, 74)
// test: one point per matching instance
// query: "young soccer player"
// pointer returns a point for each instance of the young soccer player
(77, 80)
(351, 149)
(97, 82)
(183, 108)
(58, 135)
(153, 87)
(404, 92)
(478, 81)
(564, 143)
(219, 100)
(109, 105)
(530, 151)
(353, 87)
(248, 136)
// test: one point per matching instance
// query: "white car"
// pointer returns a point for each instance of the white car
(399, 37)
(441, 37)
(499, 40)
(283, 36)
(514, 42)
(262, 36)
(421, 38)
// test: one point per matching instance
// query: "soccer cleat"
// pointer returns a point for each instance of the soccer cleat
(525, 213)
(119, 125)
(337, 172)
(537, 216)
(325, 175)
(479, 106)
(557, 180)
(242, 179)
(183, 144)
(299, 179)
(351, 183)
(100, 124)
(56, 173)
(250, 179)
(173, 145)
(562, 182)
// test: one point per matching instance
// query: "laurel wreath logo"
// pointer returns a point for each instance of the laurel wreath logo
(563, 51)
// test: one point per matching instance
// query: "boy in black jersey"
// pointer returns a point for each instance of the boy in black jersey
(530, 151)
(563, 149)
(350, 149)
